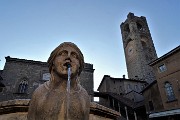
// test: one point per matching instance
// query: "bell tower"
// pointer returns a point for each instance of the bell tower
(138, 47)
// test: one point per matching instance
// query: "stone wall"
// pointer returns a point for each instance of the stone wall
(151, 94)
(87, 77)
(14, 116)
(17, 71)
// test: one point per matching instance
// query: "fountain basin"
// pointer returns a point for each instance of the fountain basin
(17, 110)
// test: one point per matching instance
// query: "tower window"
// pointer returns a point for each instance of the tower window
(162, 68)
(23, 87)
(169, 91)
(144, 45)
(126, 28)
(139, 27)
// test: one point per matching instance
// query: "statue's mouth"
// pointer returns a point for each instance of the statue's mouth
(67, 64)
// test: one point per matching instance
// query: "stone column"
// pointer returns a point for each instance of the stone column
(109, 103)
(119, 107)
(113, 104)
(135, 116)
(126, 113)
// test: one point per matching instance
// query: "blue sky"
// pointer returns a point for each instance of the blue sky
(31, 29)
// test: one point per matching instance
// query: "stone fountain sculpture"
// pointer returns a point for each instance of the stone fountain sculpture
(62, 98)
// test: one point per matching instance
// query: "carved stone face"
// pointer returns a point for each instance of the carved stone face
(66, 55)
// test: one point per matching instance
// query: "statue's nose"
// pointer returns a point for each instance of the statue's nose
(68, 59)
(69, 55)
(68, 62)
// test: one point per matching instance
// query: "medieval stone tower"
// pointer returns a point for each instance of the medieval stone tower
(138, 47)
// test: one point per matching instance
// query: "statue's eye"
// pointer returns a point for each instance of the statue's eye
(74, 55)
(63, 53)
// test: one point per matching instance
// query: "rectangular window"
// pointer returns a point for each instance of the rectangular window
(169, 91)
(151, 107)
(46, 76)
(96, 99)
(129, 86)
(162, 68)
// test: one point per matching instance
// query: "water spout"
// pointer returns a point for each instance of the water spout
(68, 90)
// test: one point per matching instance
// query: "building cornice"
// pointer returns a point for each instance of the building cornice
(87, 66)
(10, 59)
(173, 51)
(120, 79)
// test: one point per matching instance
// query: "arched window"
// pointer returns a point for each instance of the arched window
(126, 30)
(140, 27)
(23, 86)
(169, 91)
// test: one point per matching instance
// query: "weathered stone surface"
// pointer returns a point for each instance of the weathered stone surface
(96, 117)
(15, 102)
(14, 109)
(60, 98)
(86, 78)
(99, 111)
(14, 116)
(138, 47)
(8, 111)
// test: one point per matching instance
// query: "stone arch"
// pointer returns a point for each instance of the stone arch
(146, 47)
(126, 30)
(144, 42)
(140, 26)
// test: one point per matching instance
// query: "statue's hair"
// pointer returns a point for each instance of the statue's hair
(56, 50)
